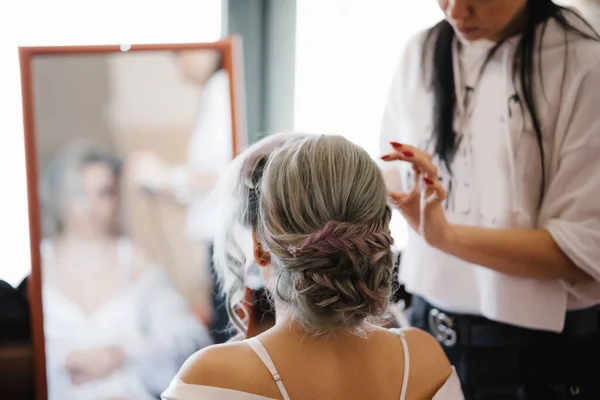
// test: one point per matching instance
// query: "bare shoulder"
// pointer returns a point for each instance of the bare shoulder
(426, 352)
(228, 366)
(429, 366)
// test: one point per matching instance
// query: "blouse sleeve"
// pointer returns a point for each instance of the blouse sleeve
(213, 130)
(571, 208)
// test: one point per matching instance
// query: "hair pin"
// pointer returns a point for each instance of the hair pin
(293, 250)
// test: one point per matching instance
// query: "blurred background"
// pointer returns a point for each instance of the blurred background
(310, 65)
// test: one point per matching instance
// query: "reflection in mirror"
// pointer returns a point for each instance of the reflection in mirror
(129, 146)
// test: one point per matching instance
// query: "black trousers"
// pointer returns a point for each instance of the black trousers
(501, 362)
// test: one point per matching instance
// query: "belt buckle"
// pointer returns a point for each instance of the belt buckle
(442, 328)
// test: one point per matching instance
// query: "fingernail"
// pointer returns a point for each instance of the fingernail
(385, 158)
(428, 181)
(396, 144)
(408, 153)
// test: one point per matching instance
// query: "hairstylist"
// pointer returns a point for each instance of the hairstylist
(493, 121)
(209, 152)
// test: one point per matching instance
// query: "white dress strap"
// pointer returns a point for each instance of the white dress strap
(262, 353)
(400, 334)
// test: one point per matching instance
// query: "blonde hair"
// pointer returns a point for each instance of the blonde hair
(320, 210)
(324, 219)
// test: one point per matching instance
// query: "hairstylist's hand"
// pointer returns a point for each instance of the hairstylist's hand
(422, 206)
(148, 171)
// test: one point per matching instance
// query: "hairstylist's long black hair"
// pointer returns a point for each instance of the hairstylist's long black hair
(440, 38)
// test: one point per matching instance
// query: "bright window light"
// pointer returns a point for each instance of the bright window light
(346, 53)
(73, 22)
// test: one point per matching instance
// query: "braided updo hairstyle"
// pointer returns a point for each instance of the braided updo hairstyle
(324, 219)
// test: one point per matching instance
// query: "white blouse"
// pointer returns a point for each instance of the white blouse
(495, 182)
(210, 150)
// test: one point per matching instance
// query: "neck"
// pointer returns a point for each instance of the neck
(284, 320)
(516, 26)
(289, 326)
(74, 237)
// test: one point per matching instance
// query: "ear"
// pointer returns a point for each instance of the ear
(262, 257)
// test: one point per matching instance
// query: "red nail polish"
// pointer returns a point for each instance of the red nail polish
(428, 181)
(408, 153)
(396, 144)
(385, 158)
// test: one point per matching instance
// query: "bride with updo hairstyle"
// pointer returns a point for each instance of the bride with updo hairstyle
(310, 213)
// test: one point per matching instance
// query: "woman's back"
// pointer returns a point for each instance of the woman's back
(346, 366)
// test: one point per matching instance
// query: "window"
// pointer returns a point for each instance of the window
(346, 53)
(72, 22)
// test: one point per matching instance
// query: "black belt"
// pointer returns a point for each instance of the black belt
(452, 329)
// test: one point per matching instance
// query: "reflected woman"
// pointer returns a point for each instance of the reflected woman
(114, 326)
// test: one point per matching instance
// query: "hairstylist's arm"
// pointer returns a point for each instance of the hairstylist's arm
(214, 156)
(148, 171)
(186, 183)
(525, 253)
(568, 246)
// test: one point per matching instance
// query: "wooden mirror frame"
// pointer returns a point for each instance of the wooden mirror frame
(230, 48)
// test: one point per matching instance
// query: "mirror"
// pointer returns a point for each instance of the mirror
(123, 147)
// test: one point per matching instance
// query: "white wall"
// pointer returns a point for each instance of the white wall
(346, 52)
(70, 96)
(139, 99)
